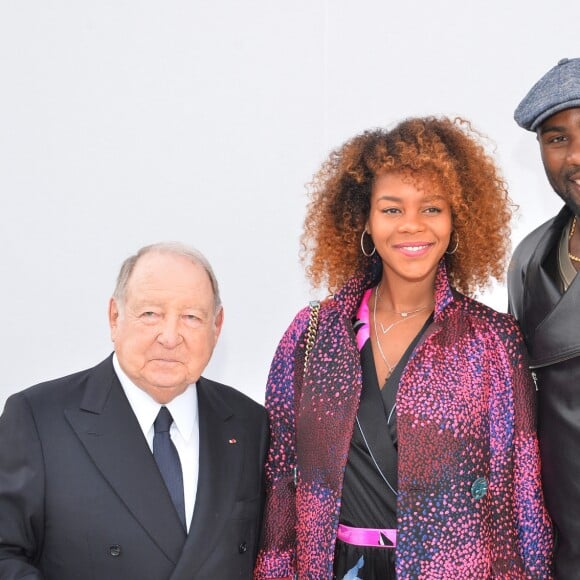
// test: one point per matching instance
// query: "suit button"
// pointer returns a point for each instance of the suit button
(115, 550)
(479, 488)
(243, 548)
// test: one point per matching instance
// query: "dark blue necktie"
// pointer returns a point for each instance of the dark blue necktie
(167, 459)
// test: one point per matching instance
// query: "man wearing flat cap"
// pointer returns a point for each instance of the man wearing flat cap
(544, 295)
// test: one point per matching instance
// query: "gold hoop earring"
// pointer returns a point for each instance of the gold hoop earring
(362, 245)
(450, 253)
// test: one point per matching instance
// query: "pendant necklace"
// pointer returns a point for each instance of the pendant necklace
(407, 315)
(387, 364)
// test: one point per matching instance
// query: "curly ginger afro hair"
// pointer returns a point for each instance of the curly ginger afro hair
(447, 152)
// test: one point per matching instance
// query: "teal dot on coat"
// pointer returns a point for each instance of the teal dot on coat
(479, 487)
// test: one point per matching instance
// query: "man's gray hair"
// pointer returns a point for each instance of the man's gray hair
(175, 249)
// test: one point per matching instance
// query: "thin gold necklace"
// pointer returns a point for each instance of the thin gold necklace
(572, 230)
(405, 314)
(389, 367)
(387, 329)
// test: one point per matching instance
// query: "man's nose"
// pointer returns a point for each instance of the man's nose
(170, 335)
(573, 152)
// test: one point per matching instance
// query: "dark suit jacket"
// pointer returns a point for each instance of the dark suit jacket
(81, 497)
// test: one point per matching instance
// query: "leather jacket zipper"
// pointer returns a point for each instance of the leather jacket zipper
(555, 361)
(535, 379)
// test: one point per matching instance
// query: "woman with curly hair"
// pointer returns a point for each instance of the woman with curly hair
(402, 421)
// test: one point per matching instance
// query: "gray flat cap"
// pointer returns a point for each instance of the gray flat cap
(557, 90)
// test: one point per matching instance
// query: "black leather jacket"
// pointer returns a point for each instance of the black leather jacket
(550, 321)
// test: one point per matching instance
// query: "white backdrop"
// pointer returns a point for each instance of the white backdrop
(126, 122)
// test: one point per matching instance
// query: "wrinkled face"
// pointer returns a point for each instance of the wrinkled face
(410, 224)
(559, 138)
(165, 332)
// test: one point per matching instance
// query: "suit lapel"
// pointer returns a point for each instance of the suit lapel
(111, 435)
(221, 452)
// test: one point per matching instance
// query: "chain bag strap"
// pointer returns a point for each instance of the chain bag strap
(311, 331)
(310, 338)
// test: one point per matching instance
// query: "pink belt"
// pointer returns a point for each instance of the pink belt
(374, 538)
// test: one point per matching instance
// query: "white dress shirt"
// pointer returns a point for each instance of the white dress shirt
(184, 430)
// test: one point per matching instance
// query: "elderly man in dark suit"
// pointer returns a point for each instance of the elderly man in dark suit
(139, 468)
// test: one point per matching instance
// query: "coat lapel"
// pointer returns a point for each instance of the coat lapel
(551, 329)
(111, 435)
(221, 451)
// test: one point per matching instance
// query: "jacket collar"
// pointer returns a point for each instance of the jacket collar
(550, 325)
(349, 297)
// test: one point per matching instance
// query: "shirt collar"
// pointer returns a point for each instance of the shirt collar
(183, 408)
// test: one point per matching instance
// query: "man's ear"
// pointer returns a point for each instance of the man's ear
(113, 318)
(219, 321)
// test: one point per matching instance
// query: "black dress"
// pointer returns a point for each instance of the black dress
(369, 497)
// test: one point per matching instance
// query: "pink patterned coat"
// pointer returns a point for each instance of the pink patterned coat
(470, 503)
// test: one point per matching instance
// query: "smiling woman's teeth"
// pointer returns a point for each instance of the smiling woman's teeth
(414, 248)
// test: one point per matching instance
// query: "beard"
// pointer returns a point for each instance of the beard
(566, 189)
